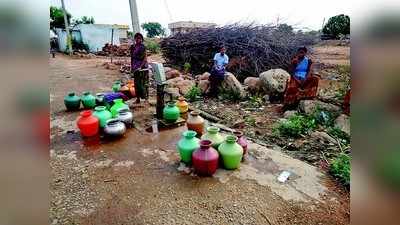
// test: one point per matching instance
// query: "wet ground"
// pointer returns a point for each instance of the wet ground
(139, 180)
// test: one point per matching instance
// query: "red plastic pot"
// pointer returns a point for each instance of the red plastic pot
(88, 124)
(242, 141)
(205, 159)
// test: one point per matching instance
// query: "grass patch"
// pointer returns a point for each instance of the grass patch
(295, 126)
(340, 168)
(193, 94)
(250, 121)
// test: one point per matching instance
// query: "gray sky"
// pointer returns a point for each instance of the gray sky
(302, 14)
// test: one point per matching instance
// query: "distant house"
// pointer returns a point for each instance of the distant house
(187, 26)
(95, 36)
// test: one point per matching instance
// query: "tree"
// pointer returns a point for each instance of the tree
(153, 29)
(285, 28)
(57, 17)
(337, 25)
(85, 20)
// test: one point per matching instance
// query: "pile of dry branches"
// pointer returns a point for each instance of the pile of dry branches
(252, 48)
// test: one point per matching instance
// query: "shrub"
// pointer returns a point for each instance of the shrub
(295, 126)
(230, 94)
(193, 94)
(78, 45)
(337, 25)
(186, 67)
(340, 168)
(152, 46)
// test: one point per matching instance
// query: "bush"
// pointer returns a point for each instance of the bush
(186, 67)
(229, 94)
(340, 168)
(193, 94)
(252, 49)
(295, 126)
(152, 46)
(337, 25)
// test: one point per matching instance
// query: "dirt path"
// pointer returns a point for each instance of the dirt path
(139, 180)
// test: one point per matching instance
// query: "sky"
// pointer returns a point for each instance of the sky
(306, 14)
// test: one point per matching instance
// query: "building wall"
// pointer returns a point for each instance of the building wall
(94, 35)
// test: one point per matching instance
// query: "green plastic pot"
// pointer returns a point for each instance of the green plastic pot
(88, 100)
(72, 101)
(116, 86)
(171, 112)
(214, 136)
(230, 152)
(118, 105)
(187, 145)
(102, 114)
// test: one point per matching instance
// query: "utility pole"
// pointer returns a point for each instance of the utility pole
(134, 16)
(69, 38)
(112, 43)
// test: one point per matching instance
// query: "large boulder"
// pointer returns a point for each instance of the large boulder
(204, 76)
(253, 84)
(343, 123)
(185, 86)
(173, 91)
(274, 81)
(231, 83)
(172, 74)
(174, 81)
(309, 106)
(204, 85)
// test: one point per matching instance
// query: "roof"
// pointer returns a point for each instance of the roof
(190, 24)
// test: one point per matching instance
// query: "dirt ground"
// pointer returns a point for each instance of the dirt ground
(139, 180)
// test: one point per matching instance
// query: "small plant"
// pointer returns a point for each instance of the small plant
(193, 94)
(340, 168)
(152, 46)
(250, 120)
(230, 94)
(256, 101)
(295, 126)
(339, 134)
(186, 67)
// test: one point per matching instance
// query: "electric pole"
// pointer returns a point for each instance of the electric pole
(134, 16)
(69, 38)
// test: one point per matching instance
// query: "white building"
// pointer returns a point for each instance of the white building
(95, 36)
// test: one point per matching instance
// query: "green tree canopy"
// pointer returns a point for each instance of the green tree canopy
(84, 20)
(57, 17)
(337, 25)
(153, 29)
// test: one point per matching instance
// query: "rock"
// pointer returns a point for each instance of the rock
(253, 84)
(322, 136)
(204, 85)
(173, 82)
(167, 69)
(204, 76)
(231, 83)
(289, 114)
(172, 74)
(309, 106)
(185, 86)
(173, 91)
(343, 123)
(274, 81)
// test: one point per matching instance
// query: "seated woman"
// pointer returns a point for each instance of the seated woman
(302, 84)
